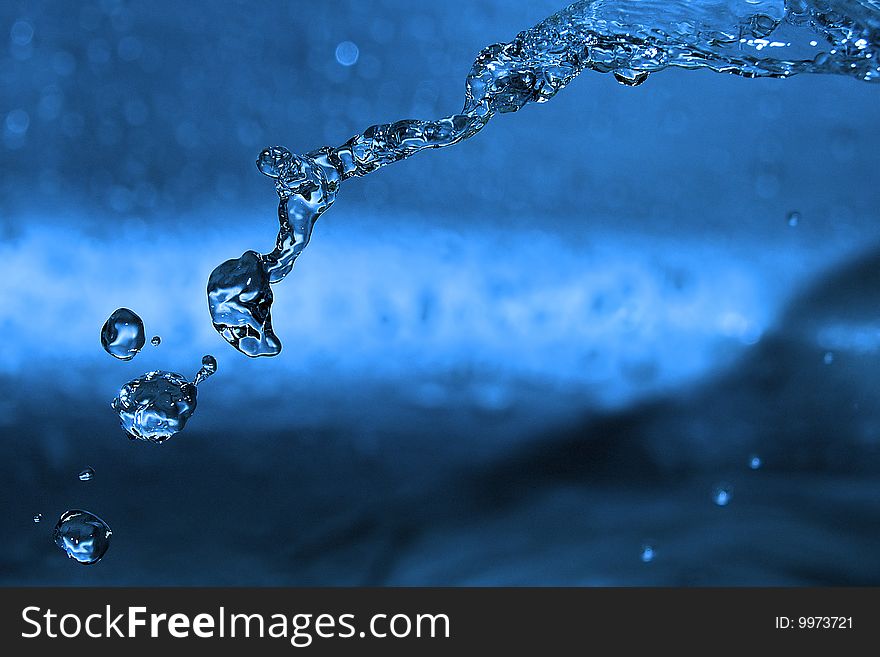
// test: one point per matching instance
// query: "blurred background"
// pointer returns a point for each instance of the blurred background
(532, 358)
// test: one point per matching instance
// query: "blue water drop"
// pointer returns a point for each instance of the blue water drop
(209, 366)
(155, 341)
(755, 462)
(155, 406)
(122, 335)
(828, 358)
(38, 518)
(647, 554)
(83, 536)
(87, 474)
(793, 218)
(722, 494)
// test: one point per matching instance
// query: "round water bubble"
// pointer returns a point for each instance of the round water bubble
(155, 341)
(647, 554)
(87, 474)
(722, 494)
(122, 335)
(155, 406)
(83, 536)
(347, 53)
(755, 462)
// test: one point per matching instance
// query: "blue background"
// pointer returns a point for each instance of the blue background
(514, 361)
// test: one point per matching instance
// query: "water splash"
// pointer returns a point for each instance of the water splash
(83, 536)
(122, 335)
(627, 38)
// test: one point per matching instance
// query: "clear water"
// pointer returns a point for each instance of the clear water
(155, 406)
(627, 38)
(83, 536)
(86, 474)
(122, 335)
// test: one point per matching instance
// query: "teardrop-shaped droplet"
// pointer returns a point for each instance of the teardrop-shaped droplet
(122, 335)
(87, 474)
(155, 406)
(83, 536)
(209, 366)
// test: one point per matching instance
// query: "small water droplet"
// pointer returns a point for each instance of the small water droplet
(755, 462)
(87, 474)
(647, 554)
(209, 366)
(83, 536)
(828, 358)
(155, 406)
(630, 78)
(793, 218)
(122, 335)
(155, 341)
(38, 518)
(722, 494)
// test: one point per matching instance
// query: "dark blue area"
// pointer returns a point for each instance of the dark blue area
(513, 361)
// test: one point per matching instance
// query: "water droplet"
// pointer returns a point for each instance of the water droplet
(347, 53)
(155, 341)
(83, 536)
(38, 518)
(755, 462)
(155, 406)
(122, 335)
(793, 218)
(87, 474)
(209, 366)
(630, 78)
(722, 494)
(647, 554)
(828, 358)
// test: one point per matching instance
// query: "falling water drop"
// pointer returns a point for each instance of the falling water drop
(647, 554)
(793, 218)
(87, 474)
(155, 406)
(722, 494)
(83, 536)
(122, 335)
(209, 366)
(155, 341)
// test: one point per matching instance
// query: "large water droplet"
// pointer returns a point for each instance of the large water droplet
(87, 474)
(240, 301)
(722, 494)
(209, 366)
(155, 341)
(122, 335)
(83, 536)
(155, 406)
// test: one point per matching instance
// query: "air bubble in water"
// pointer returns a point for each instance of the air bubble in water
(755, 462)
(155, 341)
(87, 474)
(155, 406)
(722, 494)
(793, 218)
(83, 536)
(209, 366)
(122, 335)
(647, 554)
